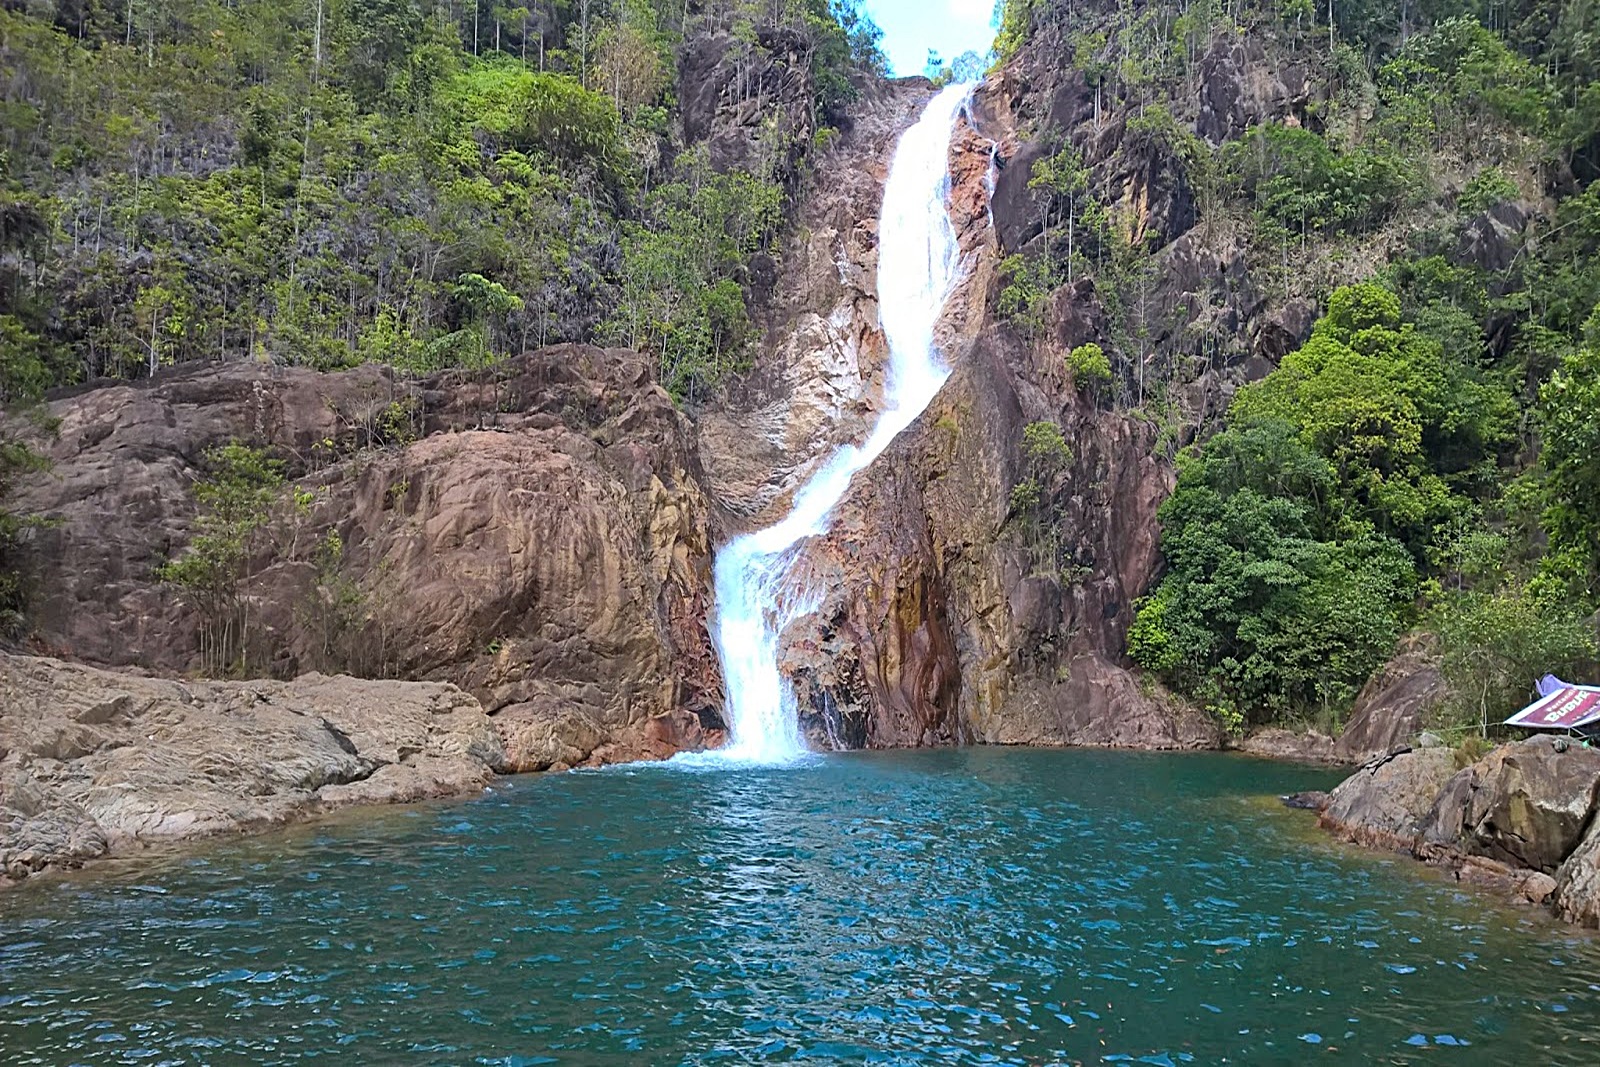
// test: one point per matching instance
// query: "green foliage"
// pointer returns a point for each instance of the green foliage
(235, 500)
(1568, 416)
(1046, 456)
(317, 184)
(1013, 21)
(1044, 446)
(1027, 280)
(1495, 644)
(1272, 603)
(680, 298)
(1300, 181)
(1381, 403)
(1090, 367)
(1443, 85)
(1294, 537)
(1486, 189)
(531, 111)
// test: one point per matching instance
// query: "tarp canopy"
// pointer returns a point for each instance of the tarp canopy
(1566, 708)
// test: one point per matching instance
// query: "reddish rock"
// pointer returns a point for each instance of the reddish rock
(544, 541)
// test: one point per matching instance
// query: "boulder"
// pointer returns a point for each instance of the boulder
(94, 761)
(1383, 804)
(1393, 705)
(1576, 895)
(1525, 804)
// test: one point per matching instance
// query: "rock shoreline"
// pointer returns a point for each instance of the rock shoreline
(1520, 821)
(95, 762)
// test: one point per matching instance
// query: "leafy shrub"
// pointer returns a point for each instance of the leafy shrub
(1302, 182)
(1089, 365)
(1487, 188)
(235, 498)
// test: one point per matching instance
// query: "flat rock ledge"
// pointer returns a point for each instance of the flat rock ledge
(1520, 821)
(94, 762)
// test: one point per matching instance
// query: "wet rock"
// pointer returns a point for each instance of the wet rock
(816, 377)
(1384, 803)
(184, 759)
(1312, 800)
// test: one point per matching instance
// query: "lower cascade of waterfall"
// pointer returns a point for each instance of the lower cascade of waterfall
(757, 593)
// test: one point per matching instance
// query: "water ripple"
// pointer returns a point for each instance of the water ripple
(993, 907)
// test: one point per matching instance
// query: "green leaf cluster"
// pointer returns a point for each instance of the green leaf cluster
(1296, 537)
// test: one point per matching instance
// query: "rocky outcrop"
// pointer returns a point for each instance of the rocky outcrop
(1384, 804)
(1394, 704)
(1301, 746)
(749, 101)
(1206, 318)
(1526, 805)
(537, 534)
(1520, 820)
(95, 762)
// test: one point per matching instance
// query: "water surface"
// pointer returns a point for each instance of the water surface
(969, 906)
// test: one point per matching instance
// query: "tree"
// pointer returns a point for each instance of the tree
(235, 499)
(1568, 415)
(1378, 400)
(1058, 176)
(1273, 602)
(1091, 370)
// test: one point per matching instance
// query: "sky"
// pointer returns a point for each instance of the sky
(911, 27)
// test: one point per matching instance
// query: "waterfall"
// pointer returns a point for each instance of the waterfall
(757, 595)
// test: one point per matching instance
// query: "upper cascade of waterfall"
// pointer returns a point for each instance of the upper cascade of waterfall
(757, 593)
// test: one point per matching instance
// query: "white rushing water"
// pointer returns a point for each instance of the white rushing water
(757, 595)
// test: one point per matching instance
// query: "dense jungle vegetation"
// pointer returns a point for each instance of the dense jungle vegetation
(1428, 460)
(423, 183)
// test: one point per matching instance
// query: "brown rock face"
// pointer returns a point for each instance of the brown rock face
(1393, 705)
(816, 379)
(1526, 804)
(1384, 804)
(93, 761)
(1576, 895)
(544, 541)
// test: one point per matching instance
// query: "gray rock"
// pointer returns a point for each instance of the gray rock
(174, 760)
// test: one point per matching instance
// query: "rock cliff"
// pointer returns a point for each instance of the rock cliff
(537, 533)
